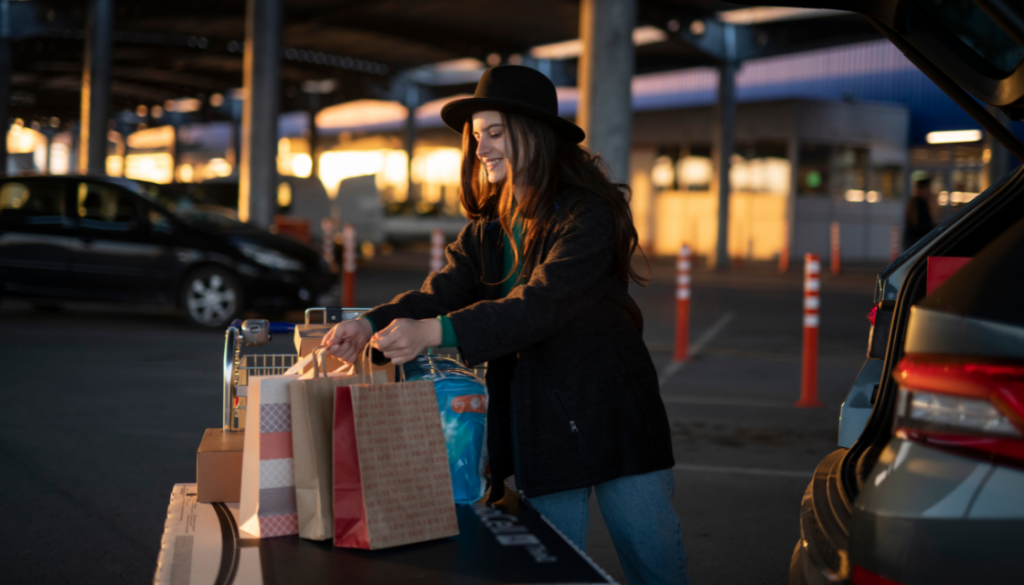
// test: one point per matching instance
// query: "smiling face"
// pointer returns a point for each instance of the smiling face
(492, 146)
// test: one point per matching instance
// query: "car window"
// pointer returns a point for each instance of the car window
(106, 207)
(977, 31)
(159, 221)
(42, 203)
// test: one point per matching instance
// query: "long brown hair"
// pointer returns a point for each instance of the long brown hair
(548, 165)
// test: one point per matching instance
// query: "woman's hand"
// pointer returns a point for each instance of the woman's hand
(404, 339)
(347, 340)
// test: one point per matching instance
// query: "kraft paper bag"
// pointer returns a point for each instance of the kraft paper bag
(267, 504)
(312, 402)
(391, 480)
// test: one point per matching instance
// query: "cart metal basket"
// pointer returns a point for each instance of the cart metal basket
(239, 366)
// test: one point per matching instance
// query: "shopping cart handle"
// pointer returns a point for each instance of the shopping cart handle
(280, 327)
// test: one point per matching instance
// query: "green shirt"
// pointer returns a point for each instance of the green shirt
(448, 337)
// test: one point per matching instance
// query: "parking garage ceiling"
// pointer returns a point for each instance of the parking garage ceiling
(165, 49)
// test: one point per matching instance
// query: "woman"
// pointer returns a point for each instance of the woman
(537, 287)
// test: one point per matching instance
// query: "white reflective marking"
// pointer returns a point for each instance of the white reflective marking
(683, 279)
(811, 321)
(698, 345)
(813, 266)
(683, 265)
(812, 285)
(812, 303)
(682, 294)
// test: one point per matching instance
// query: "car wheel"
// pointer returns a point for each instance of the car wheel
(212, 297)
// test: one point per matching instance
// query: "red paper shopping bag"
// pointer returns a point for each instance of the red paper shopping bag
(391, 480)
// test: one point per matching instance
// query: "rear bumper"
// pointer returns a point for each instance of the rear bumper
(914, 551)
(932, 517)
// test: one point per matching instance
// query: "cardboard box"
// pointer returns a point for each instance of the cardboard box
(219, 466)
(309, 337)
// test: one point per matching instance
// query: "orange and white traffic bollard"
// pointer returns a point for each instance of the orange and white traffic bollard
(682, 348)
(436, 250)
(348, 268)
(834, 263)
(894, 243)
(327, 240)
(812, 306)
(784, 254)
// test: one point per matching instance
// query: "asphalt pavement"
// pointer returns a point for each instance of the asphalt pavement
(104, 407)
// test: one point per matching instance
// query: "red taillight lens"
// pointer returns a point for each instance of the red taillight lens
(872, 314)
(862, 576)
(961, 405)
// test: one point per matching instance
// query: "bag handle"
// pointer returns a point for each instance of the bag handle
(299, 365)
(319, 361)
(368, 365)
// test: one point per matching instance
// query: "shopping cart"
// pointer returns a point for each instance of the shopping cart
(239, 366)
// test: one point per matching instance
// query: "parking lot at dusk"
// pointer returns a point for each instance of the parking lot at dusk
(132, 391)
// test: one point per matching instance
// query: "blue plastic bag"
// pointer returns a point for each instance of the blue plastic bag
(462, 400)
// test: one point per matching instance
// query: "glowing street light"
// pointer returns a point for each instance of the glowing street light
(953, 136)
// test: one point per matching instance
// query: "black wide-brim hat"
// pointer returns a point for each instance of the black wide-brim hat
(516, 89)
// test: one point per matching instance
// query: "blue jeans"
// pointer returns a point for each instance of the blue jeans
(638, 512)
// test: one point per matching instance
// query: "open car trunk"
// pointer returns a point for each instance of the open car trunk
(974, 51)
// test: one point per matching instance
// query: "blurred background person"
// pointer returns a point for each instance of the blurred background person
(917, 219)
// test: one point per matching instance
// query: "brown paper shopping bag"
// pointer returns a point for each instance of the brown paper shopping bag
(391, 480)
(312, 402)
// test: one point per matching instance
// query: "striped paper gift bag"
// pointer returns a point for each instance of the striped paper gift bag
(267, 506)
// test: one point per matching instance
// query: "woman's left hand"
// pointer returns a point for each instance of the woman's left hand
(404, 339)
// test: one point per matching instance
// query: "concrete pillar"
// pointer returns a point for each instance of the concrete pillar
(99, 44)
(5, 98)
(793, 154)
(412, 100)
(314, 107)
(605, 72)
(725, 142)
(257, 170)
(5, 81)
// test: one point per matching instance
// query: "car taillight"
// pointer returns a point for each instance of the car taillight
(961, 405)
(862, 576)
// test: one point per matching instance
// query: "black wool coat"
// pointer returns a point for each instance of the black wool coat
(567, 341)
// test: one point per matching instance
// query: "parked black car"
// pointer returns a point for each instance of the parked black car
(103, 238)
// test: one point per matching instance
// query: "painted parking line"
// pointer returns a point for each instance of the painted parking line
(725, 401)
(743, 470)
(673, 367)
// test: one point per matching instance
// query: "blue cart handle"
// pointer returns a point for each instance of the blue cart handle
(277, 327)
